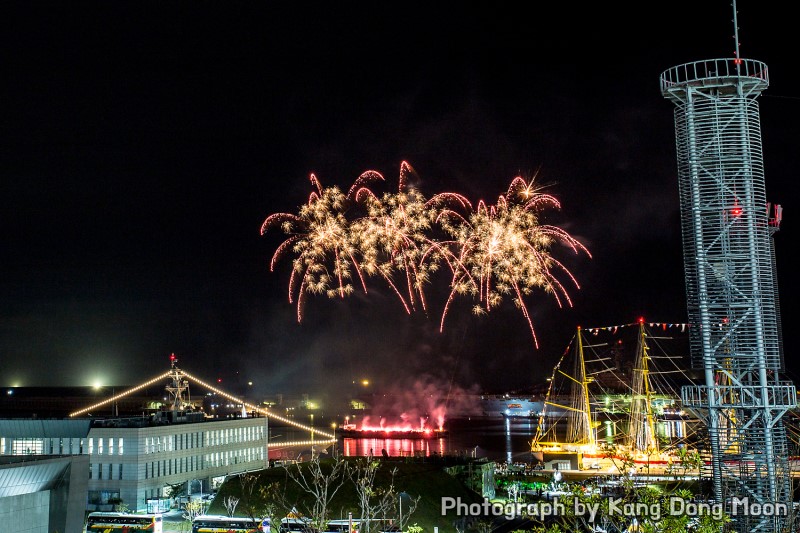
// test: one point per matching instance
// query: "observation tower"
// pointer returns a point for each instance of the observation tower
(727, 228)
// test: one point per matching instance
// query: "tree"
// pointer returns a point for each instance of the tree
(321, 479)
(275, 505)
(175, 490)
(194, 508)
(230, 503)
(258, 501)
(374, 500)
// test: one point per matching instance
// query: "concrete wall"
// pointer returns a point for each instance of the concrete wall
(26, 513)
(43, 495)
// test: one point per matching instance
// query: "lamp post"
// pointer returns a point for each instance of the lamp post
(334, 438)
(401, 496)
(312, 436)
(266, 441)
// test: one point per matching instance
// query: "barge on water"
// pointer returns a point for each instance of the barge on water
(351, 431)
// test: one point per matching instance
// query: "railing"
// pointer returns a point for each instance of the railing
(714, 71)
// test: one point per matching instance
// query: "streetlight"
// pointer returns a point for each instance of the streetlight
(266, 442)
(400, 497)
(334, 438)
(312, 436)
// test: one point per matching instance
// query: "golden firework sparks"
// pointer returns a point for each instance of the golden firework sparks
(493, 251)
(503, 249)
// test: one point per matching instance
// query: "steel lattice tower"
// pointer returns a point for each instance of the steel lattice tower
(728, 251)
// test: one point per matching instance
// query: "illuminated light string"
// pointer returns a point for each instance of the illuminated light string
(122, 395)
(250, 406)
(261, 410)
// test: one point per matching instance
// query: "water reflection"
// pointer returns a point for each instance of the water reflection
(508, 442)
(358, 447)
(499, 439)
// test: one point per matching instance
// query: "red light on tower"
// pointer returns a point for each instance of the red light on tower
(736, 210)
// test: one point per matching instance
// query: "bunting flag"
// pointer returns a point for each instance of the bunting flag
(665, 326)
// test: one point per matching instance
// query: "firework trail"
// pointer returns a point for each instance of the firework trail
(503, 249)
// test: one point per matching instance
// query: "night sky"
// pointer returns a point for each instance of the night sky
(144, 143)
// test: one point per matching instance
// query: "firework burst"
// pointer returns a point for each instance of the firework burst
(393, 237)
(493, 251)
(503, 250)
(320, 237)
(337, 237)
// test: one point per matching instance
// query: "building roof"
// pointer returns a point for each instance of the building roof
(32, 475)
(20, 428)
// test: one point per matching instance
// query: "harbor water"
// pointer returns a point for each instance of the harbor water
(497, 438)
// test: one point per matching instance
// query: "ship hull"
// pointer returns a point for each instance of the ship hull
(397, 434)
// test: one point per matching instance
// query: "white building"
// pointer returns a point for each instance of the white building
(42, 494)
(138, 459)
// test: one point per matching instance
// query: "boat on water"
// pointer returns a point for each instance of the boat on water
(511, 406)
(392, 432)
(617, 419)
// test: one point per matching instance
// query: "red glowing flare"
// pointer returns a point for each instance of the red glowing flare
(398, 429)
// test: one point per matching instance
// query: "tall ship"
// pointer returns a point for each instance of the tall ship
(617, 417)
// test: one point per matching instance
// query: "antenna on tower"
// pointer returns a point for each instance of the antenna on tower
(737, 60)
(178, 386)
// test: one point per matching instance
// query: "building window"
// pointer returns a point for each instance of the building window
(110, 446)
(100, 471)
(119, 471)
(100, 446)
(91, 446)
(119, 446)
(27, 447)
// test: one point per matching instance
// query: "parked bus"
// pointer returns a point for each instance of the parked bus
(295, 525)
(99, 522)
(226, 524)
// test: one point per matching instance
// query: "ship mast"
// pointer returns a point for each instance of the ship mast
(580, 429)
(642, 432)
